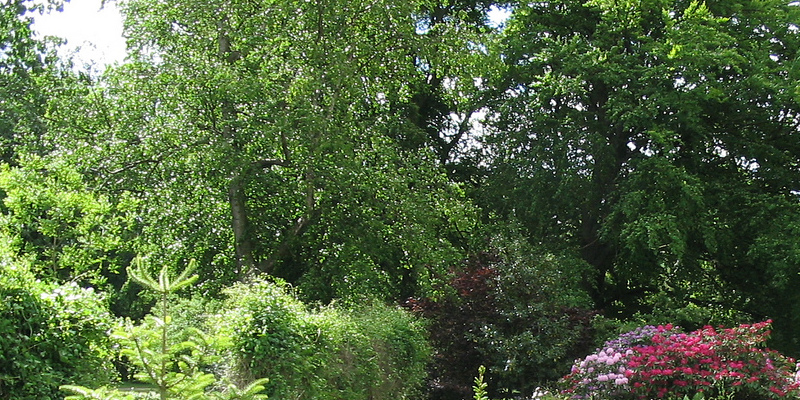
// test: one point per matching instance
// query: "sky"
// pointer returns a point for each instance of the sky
(96, 31)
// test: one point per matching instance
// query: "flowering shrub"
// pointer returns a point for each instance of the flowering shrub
(607, 371)
(657, 362)
(711, 361)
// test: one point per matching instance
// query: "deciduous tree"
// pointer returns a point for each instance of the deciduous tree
(659, 139)
(257, 136)
(24, 61)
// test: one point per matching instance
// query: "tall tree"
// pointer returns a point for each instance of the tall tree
(23, 61)
(659, 140)
(256, 132)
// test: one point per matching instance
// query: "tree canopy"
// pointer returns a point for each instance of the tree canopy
(355, 148)
(658, 141)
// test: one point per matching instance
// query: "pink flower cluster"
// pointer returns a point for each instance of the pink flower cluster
(708, 359)
(607, 371)
(677, 364)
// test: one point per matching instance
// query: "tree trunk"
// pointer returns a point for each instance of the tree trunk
(243, 245)
(609, 157)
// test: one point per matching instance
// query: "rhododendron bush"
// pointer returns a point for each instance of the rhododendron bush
(663, 362)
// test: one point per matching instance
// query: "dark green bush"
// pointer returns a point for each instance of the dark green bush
(50, 335)
(543, 320)
(515, 309)
(368, 352)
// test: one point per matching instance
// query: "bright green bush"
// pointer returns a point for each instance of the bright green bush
(50, 335)
(399, 344)
(67, 230)
(169, 359)
(368, 352)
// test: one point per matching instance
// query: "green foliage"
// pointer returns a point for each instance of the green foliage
(481, 393)
(68, 230)
(367, 352)
(50, 334)
(83, 393)
(515, 309)
(171, 366)
(171, 363)
(25, 61)
(188, 314)
(543, 317)
(480, 385)
(648, 149)
(386, 231)
(648, 138)
(282, 117)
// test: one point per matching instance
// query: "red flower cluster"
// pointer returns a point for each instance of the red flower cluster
(708, 360)
(662, 362)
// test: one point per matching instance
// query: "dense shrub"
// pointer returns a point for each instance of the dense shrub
(606, 371)
(451, 320)
(50, 335)
(168, 359)
(370, 352)
(519, 313)
(662, 362)
(66, 230)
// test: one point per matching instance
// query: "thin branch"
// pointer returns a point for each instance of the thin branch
(268, 163)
